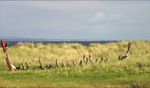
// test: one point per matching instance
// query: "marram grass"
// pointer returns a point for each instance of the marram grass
(132, 72)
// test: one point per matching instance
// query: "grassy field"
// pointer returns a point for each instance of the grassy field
(132, 72)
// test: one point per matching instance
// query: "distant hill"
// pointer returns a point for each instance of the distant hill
(38, 39)
(20, 39)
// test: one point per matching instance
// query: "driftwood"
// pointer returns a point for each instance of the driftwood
(121, 57)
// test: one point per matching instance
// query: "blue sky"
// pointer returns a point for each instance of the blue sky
(103, 20)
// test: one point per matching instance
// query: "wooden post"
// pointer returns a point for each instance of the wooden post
(84, 59)
(57, 63)
(73, 61)
(106, 59)
(87, 60)
(90, 58)
(101, 59)
(80, 63)
(96, 60)
(18, 66)
(41, 66)
(23, 67)
(51, 66)
(68, 64)
(46, 66)
(63, 64)
(27, 66)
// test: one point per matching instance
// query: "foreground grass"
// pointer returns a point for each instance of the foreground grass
(62, 78)
(132, 72)
(54, 78)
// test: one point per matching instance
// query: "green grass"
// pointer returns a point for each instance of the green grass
(133, 72)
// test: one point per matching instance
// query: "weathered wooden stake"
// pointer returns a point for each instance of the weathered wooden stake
(23, 67)
(96, 60)
(126, 55)
(57, 63)
(80, 63)
(90, 58)
(87, 60)
(106, 59)
(47, 66)
(18, 66)
(41, 66)
(63, 64)
(101, 59)
(84, 59)
(68, 64)
(51, 66)
(27, 66)
(73, 61)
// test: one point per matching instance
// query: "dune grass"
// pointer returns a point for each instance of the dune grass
(133, 72)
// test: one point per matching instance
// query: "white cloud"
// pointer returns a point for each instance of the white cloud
(101, 17)
(96, 18)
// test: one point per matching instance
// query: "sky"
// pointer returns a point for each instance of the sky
(93, 20)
